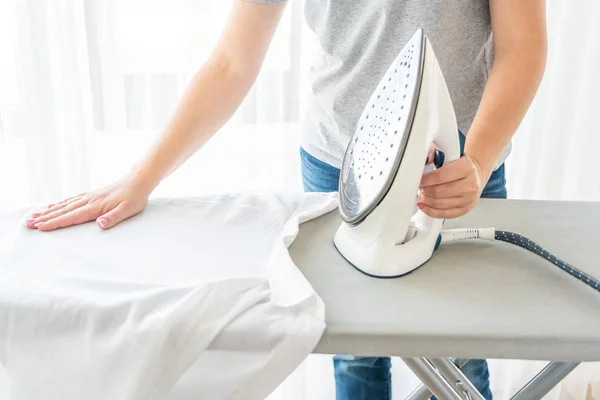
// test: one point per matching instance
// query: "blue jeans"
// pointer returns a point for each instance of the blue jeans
(369, 378)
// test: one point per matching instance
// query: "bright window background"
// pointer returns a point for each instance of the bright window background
(88, 85)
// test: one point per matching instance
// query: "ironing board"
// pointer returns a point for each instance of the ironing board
(473, 299)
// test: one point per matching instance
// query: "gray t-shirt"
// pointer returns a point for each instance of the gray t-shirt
(359, 39)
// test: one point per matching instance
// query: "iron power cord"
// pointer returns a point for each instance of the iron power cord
(452, 235)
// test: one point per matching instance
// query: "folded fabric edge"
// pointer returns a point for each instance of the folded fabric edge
(281, 269)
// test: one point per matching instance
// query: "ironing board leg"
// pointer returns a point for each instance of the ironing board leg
(432, 378)
(544, 381)
(422, 392)
(457, 378)
(535, 389)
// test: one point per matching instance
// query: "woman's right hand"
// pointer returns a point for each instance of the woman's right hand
(108, 206)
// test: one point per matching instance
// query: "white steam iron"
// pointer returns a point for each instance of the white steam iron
(383, 233)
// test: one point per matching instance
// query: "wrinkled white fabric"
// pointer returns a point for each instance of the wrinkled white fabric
(192, 299)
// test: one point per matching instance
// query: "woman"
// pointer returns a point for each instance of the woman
(492, 54)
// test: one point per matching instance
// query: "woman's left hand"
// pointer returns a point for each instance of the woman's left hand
(453, 189)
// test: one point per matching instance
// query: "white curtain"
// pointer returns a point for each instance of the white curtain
(85, 86)
(88, 84)
(554, 155)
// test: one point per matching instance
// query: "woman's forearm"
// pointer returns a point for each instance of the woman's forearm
(520, 40)
(209, 102)
(216, 91)
(455, 189)
(511, 87)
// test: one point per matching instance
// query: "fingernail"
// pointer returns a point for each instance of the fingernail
(35, 215)
(39, 224)
(103, 222)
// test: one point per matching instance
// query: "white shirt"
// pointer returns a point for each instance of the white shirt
(193, 298)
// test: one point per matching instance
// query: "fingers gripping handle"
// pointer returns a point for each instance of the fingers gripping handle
(447, 145)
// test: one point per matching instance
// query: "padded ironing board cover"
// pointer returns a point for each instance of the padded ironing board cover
(131, 313)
